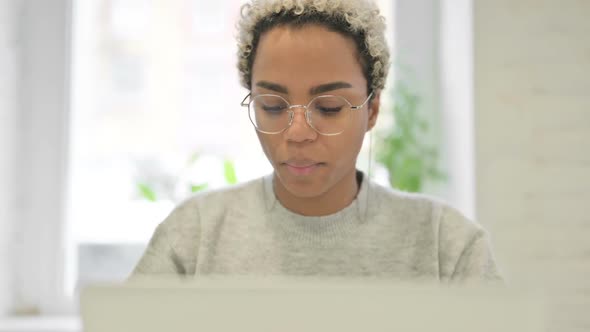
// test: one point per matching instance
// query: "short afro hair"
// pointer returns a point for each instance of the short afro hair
(357, 19)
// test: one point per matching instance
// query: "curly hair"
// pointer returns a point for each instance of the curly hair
(357, 19)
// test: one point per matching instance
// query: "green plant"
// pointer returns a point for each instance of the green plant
(153, 189)
(401, 150)
(229, 172)
(146, 192)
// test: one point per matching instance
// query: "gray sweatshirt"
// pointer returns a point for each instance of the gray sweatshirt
(244, 230)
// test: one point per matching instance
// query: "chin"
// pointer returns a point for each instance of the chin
(306, 186)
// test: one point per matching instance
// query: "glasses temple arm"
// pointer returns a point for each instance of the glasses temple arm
(364, 103)
(243, 103)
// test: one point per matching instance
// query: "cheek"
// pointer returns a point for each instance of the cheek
(362, 121)
(268, 144)
(345, 147)
(358, 129)
(357, 134)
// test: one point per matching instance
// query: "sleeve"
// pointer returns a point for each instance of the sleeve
(465, 250)
(174, 246)
(477, 261)
(159, 258)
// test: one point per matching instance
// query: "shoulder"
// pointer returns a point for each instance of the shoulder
(425, 210)
(236, 191)
(174, 246)
(462, 245)
(210, 204)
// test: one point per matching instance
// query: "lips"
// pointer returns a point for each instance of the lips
(301, 166)
(301, 163)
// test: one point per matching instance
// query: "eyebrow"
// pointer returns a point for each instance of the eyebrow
(313, 91)
(272, 86)
(329, 87)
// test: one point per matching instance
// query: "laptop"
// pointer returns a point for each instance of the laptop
(289, 305)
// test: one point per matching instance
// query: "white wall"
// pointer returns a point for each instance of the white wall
(33, 99)
(456, 101)
(42, 144)
(532, 97)
(9, 49)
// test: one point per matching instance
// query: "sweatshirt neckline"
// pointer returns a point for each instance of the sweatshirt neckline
(351, 215)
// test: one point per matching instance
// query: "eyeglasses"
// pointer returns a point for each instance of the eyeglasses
(328, 115)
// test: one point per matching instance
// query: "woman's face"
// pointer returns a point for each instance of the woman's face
(300, 64)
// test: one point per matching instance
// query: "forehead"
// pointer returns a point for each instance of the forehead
(306, 55)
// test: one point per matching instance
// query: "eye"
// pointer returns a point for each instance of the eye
(329, 106)
(277, 108)
(270, 105)
(329, 110)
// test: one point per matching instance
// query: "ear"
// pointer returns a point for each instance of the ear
(374, 105)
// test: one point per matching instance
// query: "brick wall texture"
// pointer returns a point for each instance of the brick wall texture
(532, 117)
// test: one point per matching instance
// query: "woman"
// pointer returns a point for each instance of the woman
(315, 71)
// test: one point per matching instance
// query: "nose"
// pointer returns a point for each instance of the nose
(299, 130)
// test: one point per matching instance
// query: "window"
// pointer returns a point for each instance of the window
(154, 84)
(144, 80)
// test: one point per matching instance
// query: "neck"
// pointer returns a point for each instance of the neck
(335, 199)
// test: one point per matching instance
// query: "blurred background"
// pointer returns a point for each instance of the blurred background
(113, 111)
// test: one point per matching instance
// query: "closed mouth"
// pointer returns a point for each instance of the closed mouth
(302, 167)
(302, 163)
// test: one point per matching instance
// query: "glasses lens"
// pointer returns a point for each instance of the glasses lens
(329, 114)
(269, 113)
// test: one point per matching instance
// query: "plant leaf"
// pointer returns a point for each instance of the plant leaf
(199, 187)
(230, 172)
(402, 148)
(147, 192)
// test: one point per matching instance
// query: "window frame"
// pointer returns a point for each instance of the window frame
(42, 143)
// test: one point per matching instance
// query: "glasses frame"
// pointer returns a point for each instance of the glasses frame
(292, 113)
